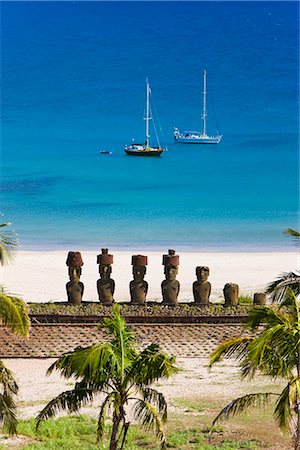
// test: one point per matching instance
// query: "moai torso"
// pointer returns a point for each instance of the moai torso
(138, 286)
(74, 287)
(231, 294)
(75, 291)
(259, 298)
(202, 287)
(105, 285)
(170, 287)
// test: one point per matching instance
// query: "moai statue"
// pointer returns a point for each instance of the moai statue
(259, 298)
(138, 286)
(74, 287)
(231, 294)
(170, 286)
(202, 287)
(105, 285)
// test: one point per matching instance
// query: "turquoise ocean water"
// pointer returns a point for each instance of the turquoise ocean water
(73, 83)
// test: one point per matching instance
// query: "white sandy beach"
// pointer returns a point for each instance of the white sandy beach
(42, 276)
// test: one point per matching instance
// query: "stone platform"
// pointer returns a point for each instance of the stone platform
(52, 339)
(185, 331)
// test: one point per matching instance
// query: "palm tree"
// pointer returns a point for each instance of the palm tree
(274, 351)
(13, 315)
(287, 280)
(8, 242)
(117, 369)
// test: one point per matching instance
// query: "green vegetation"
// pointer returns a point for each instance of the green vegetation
(8, 242)
(13, 315)
(117, 369)
(184, 432)
(149, 310)
(279, 288)
(245, 300)
(275, 352)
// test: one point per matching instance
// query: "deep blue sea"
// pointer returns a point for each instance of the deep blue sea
(73, 84)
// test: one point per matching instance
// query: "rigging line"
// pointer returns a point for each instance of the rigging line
(217, 125)
(158, 121)
(155, 130)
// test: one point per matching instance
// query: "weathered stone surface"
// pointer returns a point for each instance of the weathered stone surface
(202, 287)
(178, 339)
(259, 298)
(105, 284)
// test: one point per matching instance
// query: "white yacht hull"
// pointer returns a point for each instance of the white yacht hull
(192, 138)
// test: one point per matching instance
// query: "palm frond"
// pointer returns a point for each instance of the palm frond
(283, 409)
(8, 390)
(286, 406)
(13, 314)
(157, 400)
(279, 288)
(152, 364)
(8, 383)
(116, 326)
(292, 232)
(271, 353)
(97, 364)
(8, 418)
(241, 404)
(266, 316)
(232, 348)
(289, 306)
(123, 340)
(8, 243)
(102, 416)
(149, 417)
(71, 401)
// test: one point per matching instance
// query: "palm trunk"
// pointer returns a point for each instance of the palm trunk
(297, 432)
(114, 434)
(125, 430)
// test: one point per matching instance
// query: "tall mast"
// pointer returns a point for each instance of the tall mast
(204, 104)
(147, 112)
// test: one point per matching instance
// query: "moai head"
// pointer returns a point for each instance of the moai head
(171, 272)
(105, 260)
(139, 263)
(202, 273)
(171, 259)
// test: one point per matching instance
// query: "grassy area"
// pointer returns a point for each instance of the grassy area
(78, 432)
(187, 429)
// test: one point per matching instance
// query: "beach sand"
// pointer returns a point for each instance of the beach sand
(194, 383)
(42, 276)
(195, 380)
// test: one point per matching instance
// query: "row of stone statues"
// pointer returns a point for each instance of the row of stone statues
(139, 287)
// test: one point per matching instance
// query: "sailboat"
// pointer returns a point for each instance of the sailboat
(198, 137)
(145, 149)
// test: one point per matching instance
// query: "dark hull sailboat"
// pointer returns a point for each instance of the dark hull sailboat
(145, 149)
(142, 150)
